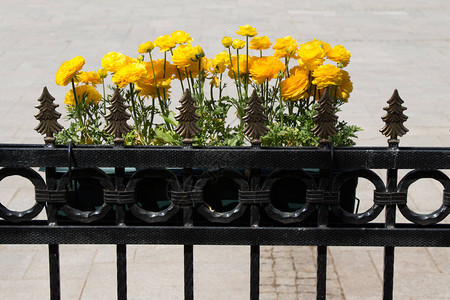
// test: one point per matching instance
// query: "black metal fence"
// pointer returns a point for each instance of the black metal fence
(222, 196)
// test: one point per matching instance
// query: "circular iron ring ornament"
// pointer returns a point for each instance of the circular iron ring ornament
(298, 215)
(438, 215)
(94, 174)
(207, 211)
(39, 185)
(372, 212)
(152, 216)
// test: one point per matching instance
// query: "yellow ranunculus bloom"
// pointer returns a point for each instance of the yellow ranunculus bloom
(88, 91)
(311, 56)
(242, 65)
(181, 37)
(146, 47)
(339, 54)
(68, 70)
(238, 44)
(89, 78)
(114, 61)
(148, 88)
(290, 52)
(295, 87)
(198, 52)
(102, 73)
(215, 81)
(165, 43)
(158, 66)
(247, 30)
(226, 41)
(327, 75)
(184, 55)
(260, 43)
(285, 47)
(265, 68)
(131, 73)
(346, 87)
(193, 69)
(283, 43)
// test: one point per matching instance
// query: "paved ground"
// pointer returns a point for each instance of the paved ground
(394, 44)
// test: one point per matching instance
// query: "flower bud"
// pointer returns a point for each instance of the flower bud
(238, 44)
(226, 41)
(146, 47)
(102, 73)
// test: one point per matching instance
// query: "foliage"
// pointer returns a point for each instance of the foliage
(289, 82)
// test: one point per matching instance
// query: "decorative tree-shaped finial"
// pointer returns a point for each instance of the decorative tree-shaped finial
(394, 119)
(117, 118)
(47, 117)
(255, 119)
(187, 119)
(325, 119)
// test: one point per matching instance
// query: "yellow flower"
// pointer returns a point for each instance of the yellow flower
(131, 73)
(148, 89)
(68, 70)
(181, 37)
(113, 61)
(265, 68)
(295, 87)
(344, 90)
(327, 75)
(88, 91)
(325, 46)
(247, 30)
(198, 53)
(193, 69)
(284, 43)
(184, 55)
(89, 78)
(103, 73)
(165, 43)
(260, 43)
(311, 56)
(242, 65)
(146, 47)
(215, 81)
(238, 44)
(339, 54)
(285, 47)
(158, 66)
(226, 41)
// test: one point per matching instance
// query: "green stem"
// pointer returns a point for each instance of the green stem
(154, 76)
(179, 75)
(104, 96)
(220, 87)
(247, 75)
(234, 74)
(188, 81)
(78, 108)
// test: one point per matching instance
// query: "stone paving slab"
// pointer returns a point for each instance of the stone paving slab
(401, 45)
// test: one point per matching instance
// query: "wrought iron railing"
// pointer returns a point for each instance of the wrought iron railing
(223, 196)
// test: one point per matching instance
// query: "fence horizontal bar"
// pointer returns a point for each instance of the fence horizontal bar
(378, 237)
(224, 157)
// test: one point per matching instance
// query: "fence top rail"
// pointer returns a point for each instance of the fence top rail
(27, 155)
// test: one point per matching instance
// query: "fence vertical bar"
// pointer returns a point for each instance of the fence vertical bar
(388, 269)
(188, 249)
(321, 272)
(53, 249)
(121, 250)
(55, 286)
(254, 271)
(188, 272)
